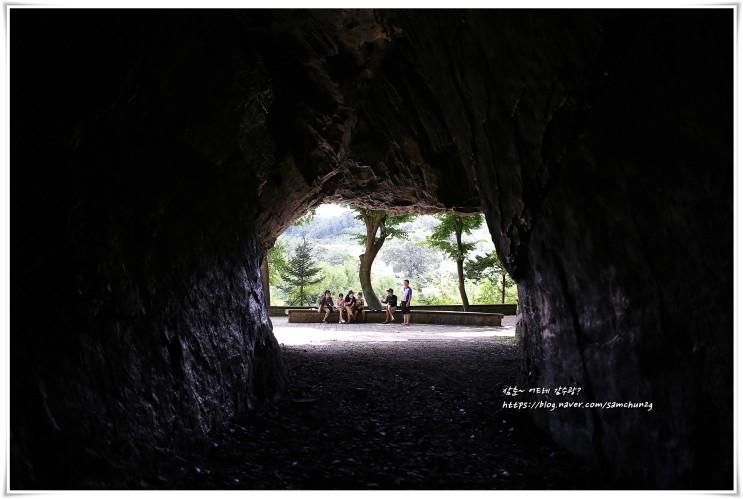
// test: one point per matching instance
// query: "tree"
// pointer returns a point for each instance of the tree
(490, 268)
(447, 237)
(276, 259)
(341, 277)
(379, 227)
(275, 255)
(265, 280)
(306, 219)
(412, 259)
(299, 276)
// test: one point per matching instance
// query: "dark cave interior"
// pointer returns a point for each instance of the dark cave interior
(156, 154)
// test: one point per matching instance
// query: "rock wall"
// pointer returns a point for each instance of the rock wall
(155, 154)
(601, 147)
(138, 320)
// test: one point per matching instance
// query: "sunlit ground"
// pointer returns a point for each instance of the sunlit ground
(319, 334)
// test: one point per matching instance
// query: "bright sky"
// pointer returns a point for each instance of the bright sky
(330, 210)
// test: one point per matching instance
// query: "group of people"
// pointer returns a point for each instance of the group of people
(352, 305)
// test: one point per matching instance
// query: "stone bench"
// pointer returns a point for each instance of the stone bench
(286, 311)
(312, 315)
(418, 317)
(497, 308)
(440, 317)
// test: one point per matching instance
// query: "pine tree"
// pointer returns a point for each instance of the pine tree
(275, 257)
(299, 276)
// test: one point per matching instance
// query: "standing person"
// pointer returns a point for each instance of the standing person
(325, 304)
(349, 303)
(391, 302)
(407, 297)
(340, 304)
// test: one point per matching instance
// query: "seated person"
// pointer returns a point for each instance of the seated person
(390, 302)
(340, 304)
(358, 306)
(325, 304)
(349, 303)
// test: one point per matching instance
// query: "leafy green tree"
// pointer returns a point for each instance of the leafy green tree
(438, 287)
(306, 219)
(489, 268)
(277, 261)
(275, 258)
(379, 227)
(489, 292)
(447, 237)
(412, 259)
(300, 276)
(339, 278)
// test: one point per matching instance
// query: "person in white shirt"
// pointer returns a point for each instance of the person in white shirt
(340, 304)
(407, 297)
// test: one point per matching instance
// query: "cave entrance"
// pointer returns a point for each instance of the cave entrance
(157, 155)
(378, 405)
(447, 258)
(420, 247)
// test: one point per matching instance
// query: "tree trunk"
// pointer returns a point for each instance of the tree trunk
(370, 296)
(462, 291)
(460, 264)
(372, 221)
(503, 289)
(264, 278)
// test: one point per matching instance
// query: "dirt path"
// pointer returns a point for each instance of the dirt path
(414, 409)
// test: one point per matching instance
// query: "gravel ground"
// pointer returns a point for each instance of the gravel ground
(388, 407)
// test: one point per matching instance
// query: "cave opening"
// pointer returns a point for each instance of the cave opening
(143, 223)
(437, 252)
(447, 259)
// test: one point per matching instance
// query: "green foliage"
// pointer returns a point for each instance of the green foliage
(383, 283)
(339, 278)
(437, 288)
(444, 234)
(306, 219)
(488, 266)
(490, 292)
(410, 259)
(432, 273)
(490, 270)
(276, 262)
(387, 226)
(379, 227)
(300, 276)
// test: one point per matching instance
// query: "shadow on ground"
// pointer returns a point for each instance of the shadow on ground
(425, 413)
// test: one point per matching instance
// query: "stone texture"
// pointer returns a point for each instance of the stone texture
(155, 154)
